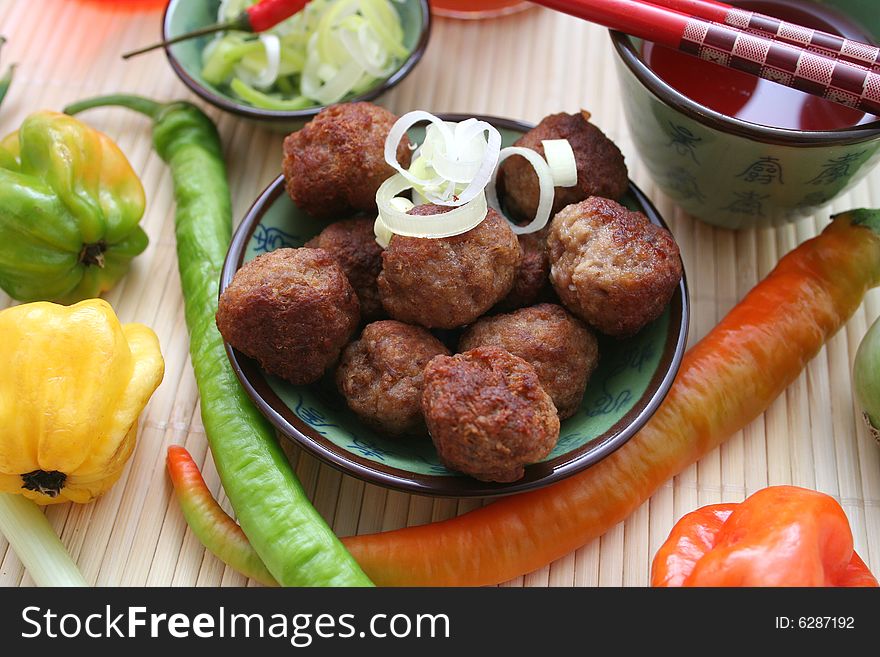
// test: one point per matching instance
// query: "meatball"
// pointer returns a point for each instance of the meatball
(380, 375)
(450, 281)
(601, 170)
(488, 414)
(612, 267)
(292, 310)
(336, 162)
(353, 244)
(532, 282)
(562, 350)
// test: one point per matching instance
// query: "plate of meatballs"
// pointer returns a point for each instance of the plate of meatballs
(481, 364)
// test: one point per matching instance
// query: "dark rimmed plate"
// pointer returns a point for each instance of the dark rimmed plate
(632, 379)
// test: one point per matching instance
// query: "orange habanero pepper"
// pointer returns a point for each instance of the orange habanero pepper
(780, 536)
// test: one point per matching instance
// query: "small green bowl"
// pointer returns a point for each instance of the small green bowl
(186, 59)
(632, 379)
(733, 173)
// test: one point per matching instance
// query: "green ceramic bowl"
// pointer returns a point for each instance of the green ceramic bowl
(186, 59)
(632, 379)
(733, 173)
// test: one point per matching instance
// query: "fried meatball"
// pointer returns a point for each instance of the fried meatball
(532, 280)
(292, 310)
(612, 267)
(380, 375)
(562, 350)
(353, 244)
(488, 414)
(601, 170)
(449, 281)
(336, 162)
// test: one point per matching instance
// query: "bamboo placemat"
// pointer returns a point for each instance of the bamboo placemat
(523, 66)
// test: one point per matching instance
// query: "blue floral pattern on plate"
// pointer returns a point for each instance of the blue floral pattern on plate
(267, 239)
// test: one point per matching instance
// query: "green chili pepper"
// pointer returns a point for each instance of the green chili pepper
(6, 80)
(292, 539)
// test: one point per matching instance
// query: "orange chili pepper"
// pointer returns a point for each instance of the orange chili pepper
(780, 536)
(209, 522)
(725, 381)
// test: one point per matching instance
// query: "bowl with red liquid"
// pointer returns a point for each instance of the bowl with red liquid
(738, 151)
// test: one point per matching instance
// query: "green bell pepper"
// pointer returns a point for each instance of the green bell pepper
(70, 204)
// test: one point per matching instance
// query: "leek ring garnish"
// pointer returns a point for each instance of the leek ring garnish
(396, 220)
(545, 185)
(560, 158)
(457, 166)
(455, 161)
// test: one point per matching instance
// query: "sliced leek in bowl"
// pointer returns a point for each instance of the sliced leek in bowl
(286, 75)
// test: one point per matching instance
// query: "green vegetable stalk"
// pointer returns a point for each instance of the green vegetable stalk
(36, 544)
(291, 538)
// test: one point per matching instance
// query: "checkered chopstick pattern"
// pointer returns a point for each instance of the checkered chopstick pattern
(838, 47)
(812, 72)
(796, 65)
(831, 45)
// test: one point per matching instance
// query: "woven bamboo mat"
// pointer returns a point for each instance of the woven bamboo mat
(524, 66)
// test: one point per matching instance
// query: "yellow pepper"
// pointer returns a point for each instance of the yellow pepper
(73, 381)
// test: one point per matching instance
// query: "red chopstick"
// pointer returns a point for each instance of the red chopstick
(832, 45)
(814, 73)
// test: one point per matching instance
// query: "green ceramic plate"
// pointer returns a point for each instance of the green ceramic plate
(632, 378)
(186, 59)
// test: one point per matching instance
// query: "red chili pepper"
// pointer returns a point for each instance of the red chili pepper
(780, 536)
(269, 13)
(256, 18)
(725, 381)
(209, 522)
